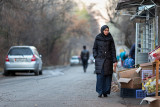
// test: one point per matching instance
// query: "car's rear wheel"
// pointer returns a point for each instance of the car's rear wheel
(36, 72)
(40, 72)
(6, 73)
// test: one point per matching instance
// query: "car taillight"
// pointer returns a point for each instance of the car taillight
(33, 58)
(7, 59)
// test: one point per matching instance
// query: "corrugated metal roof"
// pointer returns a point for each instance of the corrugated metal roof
(134, 3)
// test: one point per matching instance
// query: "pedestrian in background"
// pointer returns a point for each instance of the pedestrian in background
(105, 55)
(123, 56)
(132, 52)
(130, 61)
(84, 57)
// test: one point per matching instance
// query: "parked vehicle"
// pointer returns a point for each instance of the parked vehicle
(75, 60)
(23, 59)
(91, 59)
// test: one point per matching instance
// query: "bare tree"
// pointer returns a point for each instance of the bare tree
(121, 22)
(49, 25)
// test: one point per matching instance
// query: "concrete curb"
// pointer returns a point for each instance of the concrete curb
(54, 67)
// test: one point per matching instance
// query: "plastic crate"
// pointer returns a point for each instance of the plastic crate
(140, 93)
(128, 93)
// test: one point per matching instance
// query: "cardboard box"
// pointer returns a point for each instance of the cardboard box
(118, 73)
(146, 65)
(147, 68)
(130, 82)
(153, 101)
(130, 73)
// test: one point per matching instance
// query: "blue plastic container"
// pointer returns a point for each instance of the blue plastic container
(140, 94)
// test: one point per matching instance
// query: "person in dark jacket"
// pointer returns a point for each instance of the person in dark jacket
(132, 52)
(105, 55)
(84, 58)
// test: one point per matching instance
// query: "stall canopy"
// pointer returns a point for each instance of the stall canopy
(134, 3)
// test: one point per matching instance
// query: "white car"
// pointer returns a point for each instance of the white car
(91, 59)
(75, 60)
(23, 59)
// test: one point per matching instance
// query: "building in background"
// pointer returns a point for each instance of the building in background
(146, 15)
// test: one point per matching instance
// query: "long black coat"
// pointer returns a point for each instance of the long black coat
(104, 53)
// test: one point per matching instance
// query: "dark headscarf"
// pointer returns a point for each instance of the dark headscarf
(109, 36)
(103, 28)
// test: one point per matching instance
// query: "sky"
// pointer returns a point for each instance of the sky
(100, 7)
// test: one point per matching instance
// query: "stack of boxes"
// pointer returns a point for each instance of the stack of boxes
(130, 81)
(136, 79)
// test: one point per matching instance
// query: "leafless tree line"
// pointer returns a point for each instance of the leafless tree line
(123, 23)
(50, 25)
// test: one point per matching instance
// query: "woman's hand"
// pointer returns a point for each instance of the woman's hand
(114, 67)
(115, 64)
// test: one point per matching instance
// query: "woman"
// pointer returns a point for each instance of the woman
(105, 55)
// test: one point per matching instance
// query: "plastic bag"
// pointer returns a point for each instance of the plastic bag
(129, 63)
(155, 54)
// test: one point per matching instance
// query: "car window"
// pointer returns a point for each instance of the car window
(20, 51)
(36, 52)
